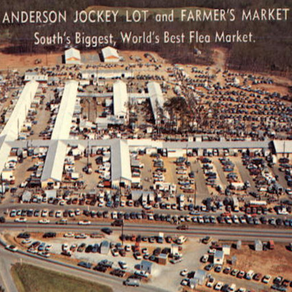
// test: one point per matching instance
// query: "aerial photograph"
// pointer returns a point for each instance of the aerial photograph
(145, 146)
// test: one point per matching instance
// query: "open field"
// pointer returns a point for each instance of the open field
(30, 278)
(274, 262)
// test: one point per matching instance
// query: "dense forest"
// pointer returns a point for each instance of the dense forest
(271, 50)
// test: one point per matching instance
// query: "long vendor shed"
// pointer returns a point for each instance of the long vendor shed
(121, 164)
(121, 99)
(18, 116)
(157, 101)
(66, 111)
(53, 169)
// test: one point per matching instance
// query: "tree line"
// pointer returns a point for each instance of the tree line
(270, 52)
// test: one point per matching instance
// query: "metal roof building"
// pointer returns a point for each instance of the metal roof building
(199, 278)
(157, 101)
(218, 257)
(121, 164)
(120, 99)
(110, 54)
(30, 76)
(282, 146)
(53, 169)
(17, 118)
(115, 73)
(66, 111)
(5, 151)
(72, 56)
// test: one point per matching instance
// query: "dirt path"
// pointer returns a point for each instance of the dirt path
(219, 57)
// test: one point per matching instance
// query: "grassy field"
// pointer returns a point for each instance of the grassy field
(30, 278)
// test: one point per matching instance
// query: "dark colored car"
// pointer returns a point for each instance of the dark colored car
(107, 230)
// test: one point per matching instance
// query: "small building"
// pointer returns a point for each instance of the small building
(199, 278)
(114, 73)
(51, 194)
(146, 266)
(162, 259)
(136, 195)
(110, 54)
(226, 249)
(34, 76)
(258, 245)
(238, 244)
(174, 249)
(104, 247)
(72, 56)
(218, 257)
(26, 197)
(88, 74)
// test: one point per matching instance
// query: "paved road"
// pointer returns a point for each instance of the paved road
(5, 276)
(223, 232)
(281, 178)
(202, 191)
(245, 175)
(220, 172)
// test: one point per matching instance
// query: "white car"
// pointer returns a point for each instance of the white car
(44, 221)
(249, 275)
(212, 250)
(184, 272)
(141, 273)
(127, 247)
(85, 222)
(69, 234)
(231, 288)
(48, 247)
(65, 246)
(145, 250)
(204, 258)
(11, 248)
(123, 265)
(58, 214)
(20, 220)
(115, 252)
(266, 279)
(184, 282)
(44, 213)
(218, 286)
(210, 282)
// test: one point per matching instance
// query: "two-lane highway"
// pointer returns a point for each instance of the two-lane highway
(222, 232)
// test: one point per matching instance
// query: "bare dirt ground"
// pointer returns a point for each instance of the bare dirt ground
(9, 61)
(273, 262)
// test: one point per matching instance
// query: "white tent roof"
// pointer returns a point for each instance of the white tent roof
(66, 110)
(109, 52)
(54, 164)
(121, 165)
(283, 146)
(121, 98)
(4, 152)
(156, 98)
(17, 118)
(72, 53)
